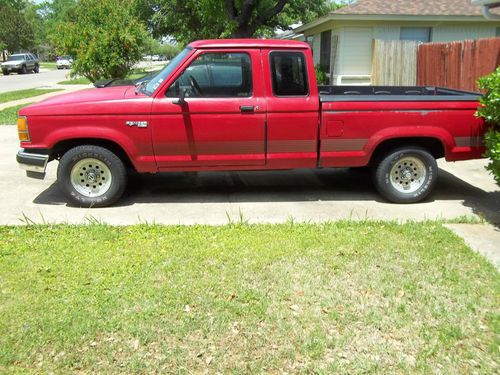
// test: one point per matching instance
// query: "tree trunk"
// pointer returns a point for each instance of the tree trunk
(242, 32)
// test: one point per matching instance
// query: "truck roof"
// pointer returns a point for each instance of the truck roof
(249, 43)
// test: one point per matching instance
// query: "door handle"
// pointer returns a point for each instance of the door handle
(247, 108)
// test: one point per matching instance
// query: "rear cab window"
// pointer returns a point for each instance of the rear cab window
(289, 73)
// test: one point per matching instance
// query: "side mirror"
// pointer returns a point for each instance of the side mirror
(182, 97)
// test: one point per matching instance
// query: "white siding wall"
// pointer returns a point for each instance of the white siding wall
(316, 48)
(452, 33)
(356, 50)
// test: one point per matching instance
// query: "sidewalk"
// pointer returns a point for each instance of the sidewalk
(482, 238)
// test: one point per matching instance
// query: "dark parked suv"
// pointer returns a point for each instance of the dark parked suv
(21, 63)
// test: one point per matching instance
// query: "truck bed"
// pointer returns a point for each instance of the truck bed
(394, 94)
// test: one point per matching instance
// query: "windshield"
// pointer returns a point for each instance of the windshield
(15, 58)
(157, 80)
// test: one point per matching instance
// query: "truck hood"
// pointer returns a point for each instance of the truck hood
(87, 101)
(88, 96)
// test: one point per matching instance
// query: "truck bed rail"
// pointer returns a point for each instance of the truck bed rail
(394, 93)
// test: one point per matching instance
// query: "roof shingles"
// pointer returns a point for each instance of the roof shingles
(412, 7)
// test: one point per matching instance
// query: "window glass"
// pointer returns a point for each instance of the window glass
(418, 34)
(15, 58)
(157, 80)
(325, 51)
(288, 70)
(215, 75)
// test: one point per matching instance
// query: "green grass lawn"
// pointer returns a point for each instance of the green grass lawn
(22, 94)
(48, 65)
(8, 116)
(335, 298)
(76, 81)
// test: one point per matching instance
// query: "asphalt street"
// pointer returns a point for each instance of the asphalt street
(49, 78)
(46, 78)
(464, 189)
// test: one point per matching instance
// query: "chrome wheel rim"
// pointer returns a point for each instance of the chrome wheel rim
(408, 175)
(91, 177)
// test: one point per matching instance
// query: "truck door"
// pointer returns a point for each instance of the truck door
(292, 109)
(222, 119)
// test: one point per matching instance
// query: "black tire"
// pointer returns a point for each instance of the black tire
(5, 73)
(23, 70)
(407, 168)
(37, 69)
(78, 156)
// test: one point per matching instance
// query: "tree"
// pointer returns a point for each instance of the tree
(104, 36)
(490, 111)
(188, 20)
(15, 32)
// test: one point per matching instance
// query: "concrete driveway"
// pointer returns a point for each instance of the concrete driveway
(216, 198)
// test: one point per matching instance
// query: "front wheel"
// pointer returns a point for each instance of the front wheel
(406, 175)
(91, 176)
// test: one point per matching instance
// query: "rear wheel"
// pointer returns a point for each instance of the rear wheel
(37, 69)
(91, 176)
(406, 175)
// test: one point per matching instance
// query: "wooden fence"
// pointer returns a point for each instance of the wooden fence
(394, 63)
(457, 65)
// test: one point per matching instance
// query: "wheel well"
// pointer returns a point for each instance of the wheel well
(433, 145)
(62, 147)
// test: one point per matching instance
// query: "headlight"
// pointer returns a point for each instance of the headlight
(22, 129)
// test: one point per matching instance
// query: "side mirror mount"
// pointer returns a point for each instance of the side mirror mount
(182, 97)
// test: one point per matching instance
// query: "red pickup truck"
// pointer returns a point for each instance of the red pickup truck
(246, 105)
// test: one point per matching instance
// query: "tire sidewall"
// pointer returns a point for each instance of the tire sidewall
(386, 187)
(114, 164)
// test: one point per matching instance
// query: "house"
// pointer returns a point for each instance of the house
(342, 41)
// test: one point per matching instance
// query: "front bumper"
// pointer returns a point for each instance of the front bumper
(33, 163)
(10, 68)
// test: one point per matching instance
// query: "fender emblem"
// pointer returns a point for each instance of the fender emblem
(139, 124)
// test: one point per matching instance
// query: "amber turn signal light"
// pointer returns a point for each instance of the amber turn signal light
(22, 129)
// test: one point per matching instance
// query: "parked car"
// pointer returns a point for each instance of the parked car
(21, 63)
(247, 105)
(64, 62)
(155, 58)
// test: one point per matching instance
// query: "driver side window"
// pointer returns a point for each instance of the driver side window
(215, 75)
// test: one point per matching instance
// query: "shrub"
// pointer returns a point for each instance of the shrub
(321, 77)
(490, 111)
(105, 37)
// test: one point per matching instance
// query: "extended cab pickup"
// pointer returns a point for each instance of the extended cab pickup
(247, 105)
